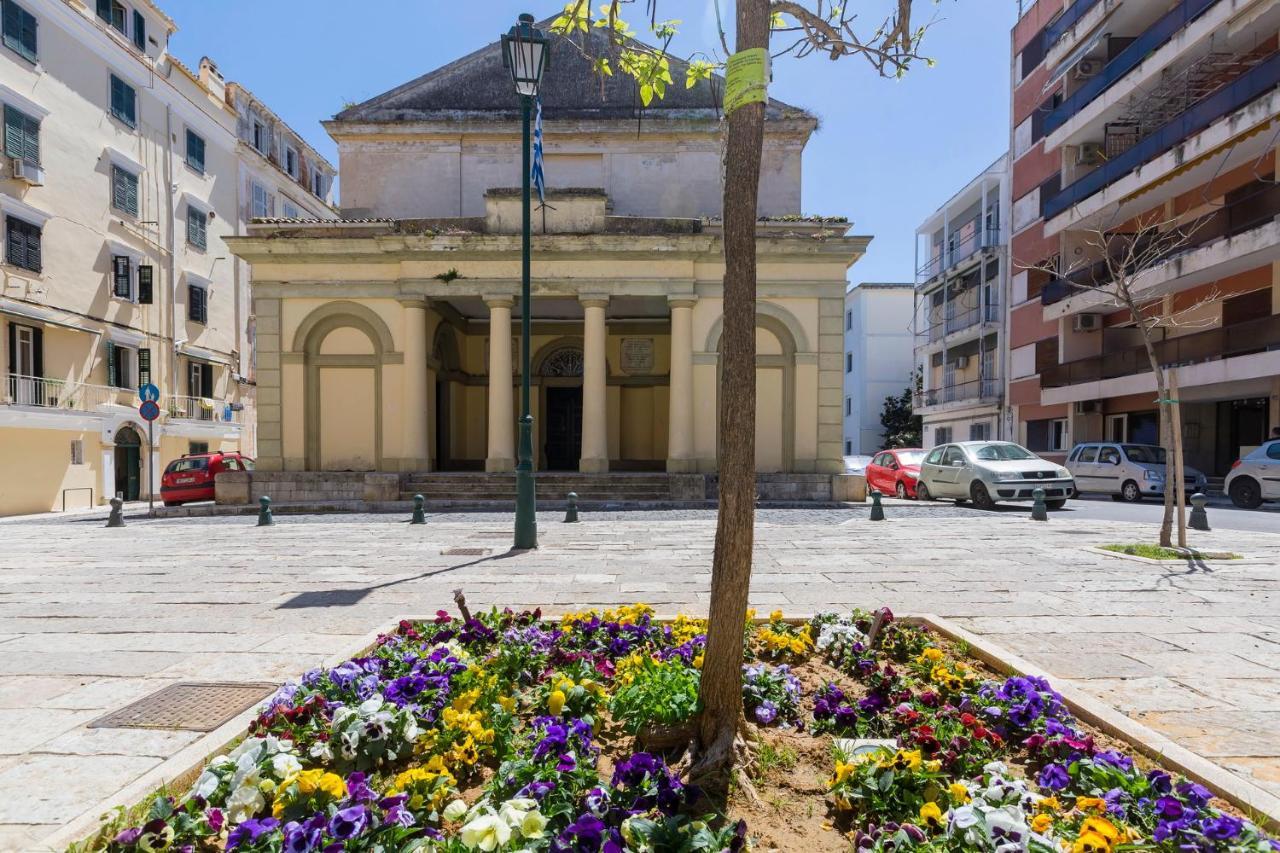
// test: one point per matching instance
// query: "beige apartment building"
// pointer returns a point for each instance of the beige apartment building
(123, 172)
(386, 340)
(1127, 111)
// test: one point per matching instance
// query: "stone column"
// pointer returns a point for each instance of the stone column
(681, 458)
(502, 418)
(415, 455)
(595, 371)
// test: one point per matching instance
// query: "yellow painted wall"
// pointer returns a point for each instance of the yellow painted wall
(36, 466)
(769, 413)
(347, 415)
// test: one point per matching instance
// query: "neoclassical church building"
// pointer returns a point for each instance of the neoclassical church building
(387, 340)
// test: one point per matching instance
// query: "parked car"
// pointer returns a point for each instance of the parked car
(190, 478)
(1256, 477)
(989, 471)
(1127, 472)
(856, 464)
(895, 472)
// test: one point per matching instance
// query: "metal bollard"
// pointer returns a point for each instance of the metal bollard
(116, 518)
(571, 512)
(1039, 512)
(265, 518)
(877, 510)
(1199, 519)
(419, 515)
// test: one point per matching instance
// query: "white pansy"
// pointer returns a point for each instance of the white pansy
(534, 825)
(322, 751)
(371, 705)
(285, 765)
(205, 785)
(244, 803)
(455, 810)
(487, 832)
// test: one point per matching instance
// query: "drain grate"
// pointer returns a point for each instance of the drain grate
(191, 706)
(466, 552)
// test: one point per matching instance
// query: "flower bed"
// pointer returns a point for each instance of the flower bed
(507, 732)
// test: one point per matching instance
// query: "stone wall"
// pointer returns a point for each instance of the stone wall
(284, 487)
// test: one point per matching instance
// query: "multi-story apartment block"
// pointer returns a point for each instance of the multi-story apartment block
(120, 178)
(961, 290)
(878, 358)
(1155, 121)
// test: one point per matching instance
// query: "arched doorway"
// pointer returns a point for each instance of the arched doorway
(561, 379)
(128, 463)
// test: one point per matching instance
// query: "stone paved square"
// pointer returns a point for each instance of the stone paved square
(92, 619)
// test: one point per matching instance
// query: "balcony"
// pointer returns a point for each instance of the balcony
(203, 409)
(1257, 206)
(1248, 87)
(964, 249)
(1240, 339)
(973, 391)
(1114, 71)
(1055, 31)
(65, 396)
(958, 318)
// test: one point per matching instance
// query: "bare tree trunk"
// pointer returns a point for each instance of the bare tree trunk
(731, 564)
(1166, 441)
(1176, 476)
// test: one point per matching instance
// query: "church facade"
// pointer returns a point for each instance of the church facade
(388, 340)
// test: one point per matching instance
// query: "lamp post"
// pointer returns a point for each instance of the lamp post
(525, 52)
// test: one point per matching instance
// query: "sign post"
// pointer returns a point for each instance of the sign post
(150, 410)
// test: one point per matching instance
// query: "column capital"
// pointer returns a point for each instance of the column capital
(409, 300)
(594, 300)
(682, 301)
(499, 300)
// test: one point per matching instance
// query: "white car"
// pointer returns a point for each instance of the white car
(989, 471)
(1256, 477)
(1127, 472)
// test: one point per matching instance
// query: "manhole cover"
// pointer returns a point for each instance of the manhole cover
(465, 552)
(189, 706)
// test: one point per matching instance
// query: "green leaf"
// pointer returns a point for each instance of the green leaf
(646, 94)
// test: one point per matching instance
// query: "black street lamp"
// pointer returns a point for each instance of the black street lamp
(526, 52)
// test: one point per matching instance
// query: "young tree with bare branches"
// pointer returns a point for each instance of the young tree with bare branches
(805, 28)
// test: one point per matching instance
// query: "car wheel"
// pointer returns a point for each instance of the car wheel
(1130, 493)
(981, 497)
(1246, 493)
(922, 492)
(901, 491)
(1058, 504)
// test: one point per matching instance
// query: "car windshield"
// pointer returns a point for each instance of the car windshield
(910, 457)
(179, 465)
(1002, 452)
(1144, 453)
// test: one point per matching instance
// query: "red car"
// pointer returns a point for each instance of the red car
(190, 478)
(894, 472)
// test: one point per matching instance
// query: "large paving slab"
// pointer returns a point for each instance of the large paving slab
(92, 619)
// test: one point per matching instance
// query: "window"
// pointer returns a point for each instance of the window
(1058, 434)
(77, 451)
(113, 12)
(317, 183)
(264, 203)
(953, 455)
(942, 435)
(848, 362)
(199, 379)
(19, 30)
(259, 137)
(195, 151)
(848, 320)
(124, 101)
(197, 305)
(290, 210)
(1109, 456)
(1273, 450)
(26, 359)
(1118, 427)
(291, 162)
(197, 228)
(934, 457)
(122, 276)
(139, 31)
(178, 466)
(124, 190)
(1087, 454)
(848, 447)
(197, 447)
(21, 136)
(980, 431)
(119, 366)
(848, 406)
(22, 244)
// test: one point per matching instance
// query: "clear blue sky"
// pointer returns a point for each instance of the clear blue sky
(888, 152)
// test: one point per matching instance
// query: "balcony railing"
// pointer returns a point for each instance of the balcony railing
(1238, 339)
(957, 318)
(203, 409)
(1126, 60)
(1241, 215)
(983, 238)
(974, 389)
(1066, 21)
(56, 394)
(1259, 80)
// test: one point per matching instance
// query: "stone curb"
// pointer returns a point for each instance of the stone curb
(439, 507)
(1202, 556)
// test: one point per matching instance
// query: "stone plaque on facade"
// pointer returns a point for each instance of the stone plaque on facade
(637, 356)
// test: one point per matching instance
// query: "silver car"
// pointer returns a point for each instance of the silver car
(989, 471)
(1256, 477)
(1127, 472)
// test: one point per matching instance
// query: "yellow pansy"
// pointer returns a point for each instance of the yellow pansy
(931, 655)
(1041, 823)
(931, 817)
(959, 793)
(1091, 842)
(555, 702)
(1091, 804)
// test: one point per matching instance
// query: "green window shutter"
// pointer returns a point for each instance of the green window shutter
(120, 274)
(111, 365)
(131, 193)
(30, 140)
(37, 352)
(139, 31)
(145, 282)
(104, 10)
(19, 27)
(197, 228)
(13, 132)
(22, 244)
(195, 151)
(144, 366)
(33, 248)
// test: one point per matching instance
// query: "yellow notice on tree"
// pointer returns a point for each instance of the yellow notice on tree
(746, 79)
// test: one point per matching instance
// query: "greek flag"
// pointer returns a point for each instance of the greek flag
(535, 174)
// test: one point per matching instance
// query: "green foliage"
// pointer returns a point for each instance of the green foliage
(1157, 552)
(771, 758)
(449, 276)
(661, 693)
(902, 426)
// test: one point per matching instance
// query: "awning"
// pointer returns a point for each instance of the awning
(46, 316)
(1073, 58)
(203, 354)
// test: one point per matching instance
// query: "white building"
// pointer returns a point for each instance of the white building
(962, 285)
(878, 358)
(121, 177)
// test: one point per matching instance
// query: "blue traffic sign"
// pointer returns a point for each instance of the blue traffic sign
(148, 393)
(149, 410)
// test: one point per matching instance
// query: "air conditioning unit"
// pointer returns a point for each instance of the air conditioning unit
(1087, 322)
(1087, 68)
(960, 362)
(1090, 154)
(1088, 407)
(23, 171)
